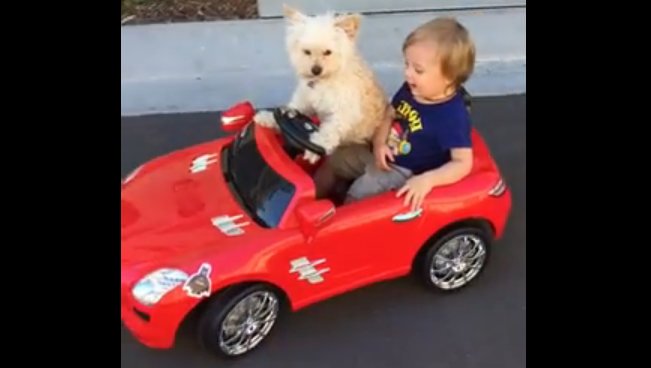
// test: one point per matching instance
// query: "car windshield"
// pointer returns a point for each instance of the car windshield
(261, 191)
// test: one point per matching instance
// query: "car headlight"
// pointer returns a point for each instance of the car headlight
(151, 288)
(131, 175)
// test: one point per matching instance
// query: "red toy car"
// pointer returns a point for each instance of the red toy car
(231, 229)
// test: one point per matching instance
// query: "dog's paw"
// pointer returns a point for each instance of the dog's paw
(311, 157)
(266, 119)
(323, 140)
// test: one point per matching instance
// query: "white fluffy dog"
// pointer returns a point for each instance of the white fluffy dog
(334, 82)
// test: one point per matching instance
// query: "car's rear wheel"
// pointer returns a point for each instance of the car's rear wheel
(236, 322)
(455, 260)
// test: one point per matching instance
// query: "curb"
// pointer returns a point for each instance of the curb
(208, 66)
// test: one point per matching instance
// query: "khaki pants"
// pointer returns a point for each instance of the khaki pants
(356, 162)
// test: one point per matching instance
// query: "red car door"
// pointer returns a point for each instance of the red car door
(363, 242)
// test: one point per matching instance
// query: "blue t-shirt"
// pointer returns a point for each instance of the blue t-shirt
(423, 134)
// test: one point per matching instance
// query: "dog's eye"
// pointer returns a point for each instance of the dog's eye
(327, 52)
(307, 52)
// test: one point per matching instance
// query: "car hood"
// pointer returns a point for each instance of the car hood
(170, 214)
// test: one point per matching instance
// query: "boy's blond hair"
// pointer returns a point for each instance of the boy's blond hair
(456, 47)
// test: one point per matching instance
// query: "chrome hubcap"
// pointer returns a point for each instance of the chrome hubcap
(458, 261)
(248, 323)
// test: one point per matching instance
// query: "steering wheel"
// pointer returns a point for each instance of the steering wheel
(296, 128)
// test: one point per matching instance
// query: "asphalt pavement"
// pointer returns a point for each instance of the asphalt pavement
(394, 324)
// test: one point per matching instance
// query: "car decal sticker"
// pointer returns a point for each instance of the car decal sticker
(228, 226)
(402, 217)
(198, 285)
(307, 270)
(202, 162)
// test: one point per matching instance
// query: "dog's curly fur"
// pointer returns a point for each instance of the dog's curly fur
(345, 95)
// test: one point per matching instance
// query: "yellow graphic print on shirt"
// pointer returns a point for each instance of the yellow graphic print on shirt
(398, 141)
(411, 116)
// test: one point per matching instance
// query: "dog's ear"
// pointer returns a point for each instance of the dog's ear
(349, 23)
(292, 14)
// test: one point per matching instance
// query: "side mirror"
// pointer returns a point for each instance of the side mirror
(237, 116)
(314, 215)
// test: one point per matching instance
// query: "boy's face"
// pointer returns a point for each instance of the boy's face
(423, 71)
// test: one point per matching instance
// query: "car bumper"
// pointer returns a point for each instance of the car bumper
(154, 327)
(501, 208)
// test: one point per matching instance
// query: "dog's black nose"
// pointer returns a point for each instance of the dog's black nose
(316, 70)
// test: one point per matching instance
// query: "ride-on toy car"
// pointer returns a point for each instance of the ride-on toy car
(231, 229)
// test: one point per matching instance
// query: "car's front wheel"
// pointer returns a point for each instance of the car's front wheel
(236, 322)
(456, 259)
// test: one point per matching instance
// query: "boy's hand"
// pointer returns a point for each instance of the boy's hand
(381, 153)
(415, 190)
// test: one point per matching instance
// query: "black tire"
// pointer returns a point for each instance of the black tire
(210, 325)
(431, 254)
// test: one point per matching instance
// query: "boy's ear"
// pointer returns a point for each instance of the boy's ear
(291, 14)
(349, 23)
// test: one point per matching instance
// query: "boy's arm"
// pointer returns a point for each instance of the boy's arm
(456, 169)
(382, 132)
(417, 187)
(384, 129)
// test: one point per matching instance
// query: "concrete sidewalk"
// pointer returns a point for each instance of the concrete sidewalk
(189, 67)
